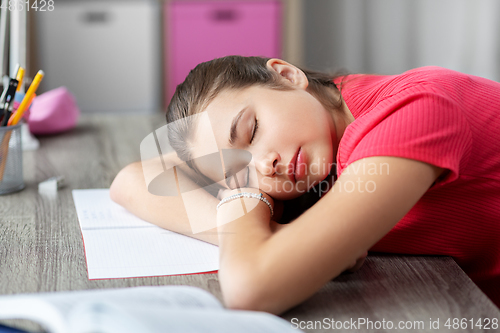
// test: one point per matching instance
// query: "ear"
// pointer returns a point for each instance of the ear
(292, 74)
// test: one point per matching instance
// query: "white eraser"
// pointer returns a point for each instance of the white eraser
(51, 184)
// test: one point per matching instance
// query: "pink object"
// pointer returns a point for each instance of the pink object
(200, 31)
(53, 112)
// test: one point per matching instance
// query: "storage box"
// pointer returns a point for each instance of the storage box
(199, 31)
(107, 53)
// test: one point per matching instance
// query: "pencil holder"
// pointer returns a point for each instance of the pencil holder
(11, 159)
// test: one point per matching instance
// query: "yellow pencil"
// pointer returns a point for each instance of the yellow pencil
(19, 78)
(14, 119)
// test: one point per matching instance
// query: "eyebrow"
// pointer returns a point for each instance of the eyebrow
(232, 133)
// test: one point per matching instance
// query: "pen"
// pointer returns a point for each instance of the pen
(8, 89)
(2, 100)
(8, 82)
(8, 113)
(8, 101)
(4, 92)
(27, 99)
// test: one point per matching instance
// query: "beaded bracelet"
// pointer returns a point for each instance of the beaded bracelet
(246, 195)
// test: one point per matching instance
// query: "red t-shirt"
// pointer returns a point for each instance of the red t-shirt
(450, 120)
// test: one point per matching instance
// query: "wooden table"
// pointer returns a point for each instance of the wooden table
(41, 245)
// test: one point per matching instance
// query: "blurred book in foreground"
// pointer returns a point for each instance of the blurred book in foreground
(138, 309)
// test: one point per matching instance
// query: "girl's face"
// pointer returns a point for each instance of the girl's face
(291, 137)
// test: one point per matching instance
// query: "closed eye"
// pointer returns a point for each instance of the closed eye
(256, 126)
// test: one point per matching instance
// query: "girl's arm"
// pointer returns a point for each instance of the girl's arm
(129, 190)
(262, 270)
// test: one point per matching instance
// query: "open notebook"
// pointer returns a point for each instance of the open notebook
(120, 245)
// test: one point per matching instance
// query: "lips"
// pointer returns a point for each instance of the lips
(296, 167)
(292, 166)
(300, 165)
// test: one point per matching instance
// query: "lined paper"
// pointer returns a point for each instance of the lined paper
(120, 245)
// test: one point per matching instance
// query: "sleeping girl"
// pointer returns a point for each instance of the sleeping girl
(339, 165)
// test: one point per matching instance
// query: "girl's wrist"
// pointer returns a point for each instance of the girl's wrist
(251, 201)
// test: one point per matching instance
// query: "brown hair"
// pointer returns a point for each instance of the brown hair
(208, 79)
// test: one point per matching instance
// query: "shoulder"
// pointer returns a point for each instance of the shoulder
(431, 71)
(366, 92)
(431, 79)
(432, 74)
(446, 83)
(424, 87)
(415, 75)
(418, 119)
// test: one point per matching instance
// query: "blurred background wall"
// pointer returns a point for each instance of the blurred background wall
(114, 55)
(391, 36)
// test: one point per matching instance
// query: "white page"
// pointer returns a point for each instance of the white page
(119, 244)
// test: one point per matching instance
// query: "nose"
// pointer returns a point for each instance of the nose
(268, 163)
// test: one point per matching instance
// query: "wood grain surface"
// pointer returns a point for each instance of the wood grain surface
(41, 246)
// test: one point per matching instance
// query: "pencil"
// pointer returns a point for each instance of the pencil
(19, 77)
(14, 119)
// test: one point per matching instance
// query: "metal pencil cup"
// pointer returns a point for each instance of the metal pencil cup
(11, 159)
